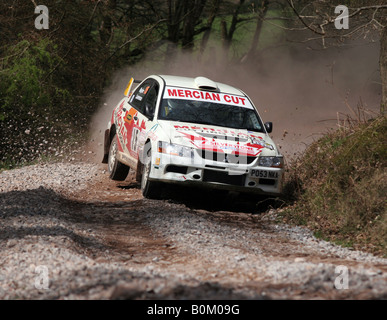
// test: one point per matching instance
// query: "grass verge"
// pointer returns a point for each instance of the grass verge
(338, 187)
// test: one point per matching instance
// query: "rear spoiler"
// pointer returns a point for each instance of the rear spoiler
(129, 87)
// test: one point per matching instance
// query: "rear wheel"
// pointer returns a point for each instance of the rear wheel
(117, 170)
(149, 189)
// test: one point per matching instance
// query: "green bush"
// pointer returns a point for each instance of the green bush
(26, 82)
(34, 104)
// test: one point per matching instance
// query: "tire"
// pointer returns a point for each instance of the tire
(149, 189)
(117, 170)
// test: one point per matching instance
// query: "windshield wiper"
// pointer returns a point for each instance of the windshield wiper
(205, 122)
(255, 129)
(250, 129)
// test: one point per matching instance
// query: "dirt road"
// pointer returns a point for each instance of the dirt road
(68, 232)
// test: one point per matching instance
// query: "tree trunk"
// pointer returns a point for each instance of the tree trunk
(225, 41)
(210, 21)
(258, 30)
(194, 11)
(383, 69)
(175, 13)
(234, 21)
(227, 35)
(106, 28)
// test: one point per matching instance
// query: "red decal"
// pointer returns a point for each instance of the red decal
(208, 96)
(216, 96)
(193, 138)
(235, 99)
(172, 93)
(188, 94)
(196, 94)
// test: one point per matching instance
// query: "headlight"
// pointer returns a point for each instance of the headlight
(276, 162)
(175, 150)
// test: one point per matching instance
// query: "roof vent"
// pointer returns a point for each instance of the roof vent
(205, 84)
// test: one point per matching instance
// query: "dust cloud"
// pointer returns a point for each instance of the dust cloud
(302, 91)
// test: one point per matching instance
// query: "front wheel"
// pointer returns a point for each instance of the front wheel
(117, 170)
(149, 189)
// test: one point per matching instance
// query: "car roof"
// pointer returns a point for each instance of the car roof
(187, 82)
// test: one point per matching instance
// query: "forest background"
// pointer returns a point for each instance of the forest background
(301, 71)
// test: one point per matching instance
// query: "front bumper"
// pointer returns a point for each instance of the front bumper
(239, 177)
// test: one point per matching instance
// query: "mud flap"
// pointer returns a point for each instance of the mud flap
(106, 146)
(138, 171)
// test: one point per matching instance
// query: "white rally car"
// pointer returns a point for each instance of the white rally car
(192, 131)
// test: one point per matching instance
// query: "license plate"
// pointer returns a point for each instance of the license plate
(255, 173)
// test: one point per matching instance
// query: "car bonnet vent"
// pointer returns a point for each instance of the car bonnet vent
(205, 84)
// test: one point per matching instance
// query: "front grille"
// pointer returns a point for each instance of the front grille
(215, 167)
(226, 158)
(176, 169)
(268, 182)
(223, 177)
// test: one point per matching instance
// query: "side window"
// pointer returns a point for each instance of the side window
(151, 100)
(138, 97)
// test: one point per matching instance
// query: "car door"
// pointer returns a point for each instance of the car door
(138, 114)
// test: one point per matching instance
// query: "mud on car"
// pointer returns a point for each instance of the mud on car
(191, 131)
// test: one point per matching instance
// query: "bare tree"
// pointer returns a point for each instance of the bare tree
(228, 33)
(106, 26)
(213, 12)
(365, 20)
(261, 13)
(383, 69)
(193, 12)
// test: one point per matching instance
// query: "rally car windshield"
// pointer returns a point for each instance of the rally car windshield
(203, 112)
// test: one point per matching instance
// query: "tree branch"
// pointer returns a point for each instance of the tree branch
(290, 2)
(134, 38)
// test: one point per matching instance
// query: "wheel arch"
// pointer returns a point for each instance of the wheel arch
(140, 164)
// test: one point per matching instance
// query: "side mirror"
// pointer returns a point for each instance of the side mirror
(269, 127)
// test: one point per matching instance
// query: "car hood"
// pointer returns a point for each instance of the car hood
(219, 139)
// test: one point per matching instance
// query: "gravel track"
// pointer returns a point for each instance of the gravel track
(97, 239)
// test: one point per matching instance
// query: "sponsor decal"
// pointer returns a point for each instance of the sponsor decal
(215, 131)
(254, 141)
(121, 129)
(128, 117)
(151, 134)
(198, 95)
(218, 146)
